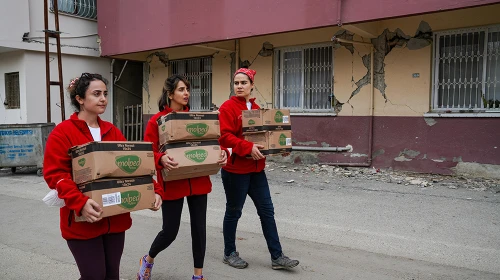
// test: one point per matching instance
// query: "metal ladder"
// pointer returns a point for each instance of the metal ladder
(57, 35)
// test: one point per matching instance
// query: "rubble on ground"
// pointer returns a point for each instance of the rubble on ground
(329, 173)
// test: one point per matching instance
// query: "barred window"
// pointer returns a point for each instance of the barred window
(467, 71)
(81, 8)
(198, 72)
(303, 78)
(12, 92)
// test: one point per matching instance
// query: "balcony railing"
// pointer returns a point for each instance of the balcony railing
(79, 8)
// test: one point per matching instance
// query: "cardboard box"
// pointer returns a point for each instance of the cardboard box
(265, 120)
(96, 160)
(274, 142)
(259, 138)
(280, 141)
(195, 158)
(120, 195)
(185, 126)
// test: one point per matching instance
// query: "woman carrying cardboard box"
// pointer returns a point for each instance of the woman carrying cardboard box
(175, 97)
(97, 245)
(244, 175)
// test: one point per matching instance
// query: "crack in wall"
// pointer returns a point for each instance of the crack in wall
(163, 58)
(383, 45)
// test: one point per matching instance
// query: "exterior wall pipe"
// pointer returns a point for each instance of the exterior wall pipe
(321, 149)
(237, 56)
(368, 162)
(339, 8)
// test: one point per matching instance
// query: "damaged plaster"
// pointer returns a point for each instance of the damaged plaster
(430, 121)
(407, 155)
(163, 58)
(378, 153)
(308, 143)
(383, 45)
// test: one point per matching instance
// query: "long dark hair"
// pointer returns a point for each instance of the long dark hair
(169, 87)
(78, 87)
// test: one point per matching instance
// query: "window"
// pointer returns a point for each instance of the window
(467, 70)
(12, 92)
(198, 71)
(81, 8)
(303, 78)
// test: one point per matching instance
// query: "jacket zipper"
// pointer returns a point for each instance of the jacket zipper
(190, 187)
(109, 225)
(69, 218)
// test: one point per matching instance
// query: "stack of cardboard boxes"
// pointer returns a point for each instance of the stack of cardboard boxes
(192, 140)
(117, 175)
(271, 128)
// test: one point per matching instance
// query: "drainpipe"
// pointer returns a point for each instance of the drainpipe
(348, 148)
(339, 8)
(237, 56)
(368, 162)
(110, 90)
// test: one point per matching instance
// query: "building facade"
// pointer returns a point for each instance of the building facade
(431, 103)
(22, 57)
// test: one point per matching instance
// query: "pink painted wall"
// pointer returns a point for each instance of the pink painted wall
(133, 26)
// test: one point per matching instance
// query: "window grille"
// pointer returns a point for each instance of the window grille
(198, 72)
(304, 77)
(12, 91)
(466, 70)
(81, 8)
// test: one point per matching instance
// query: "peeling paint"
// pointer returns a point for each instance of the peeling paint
(402, 158)
(359, 155)
(378, 153)
(425, 156)
(439, 160)
(325, 145)
(347, 35)
(457, 159)
(307, 143)
(410, 153)
(430, 121)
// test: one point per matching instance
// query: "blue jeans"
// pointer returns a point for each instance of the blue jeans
(255, 184)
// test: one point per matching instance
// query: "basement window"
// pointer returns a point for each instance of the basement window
(198, 72)
(79, 8)
(467, 70)
(303, 78)
(12, 91)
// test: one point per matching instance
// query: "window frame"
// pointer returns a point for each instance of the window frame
(436, 64)
(278, 98)
(9, 95)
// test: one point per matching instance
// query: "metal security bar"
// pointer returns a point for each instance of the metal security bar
(303, 77)
(132, 122)
(198, 71)
(81, 8)
(12, 91)
(467, 72)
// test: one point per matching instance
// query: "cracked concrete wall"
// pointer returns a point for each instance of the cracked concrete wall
(156, 70)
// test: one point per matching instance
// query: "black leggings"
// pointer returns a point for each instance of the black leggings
(171, 213)
(98, 258)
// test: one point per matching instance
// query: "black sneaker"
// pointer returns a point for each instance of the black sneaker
(284, 262)
(235, 261)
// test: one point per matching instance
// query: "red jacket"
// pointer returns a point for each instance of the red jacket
(173, 190)
(57, 174)
(231, 137)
